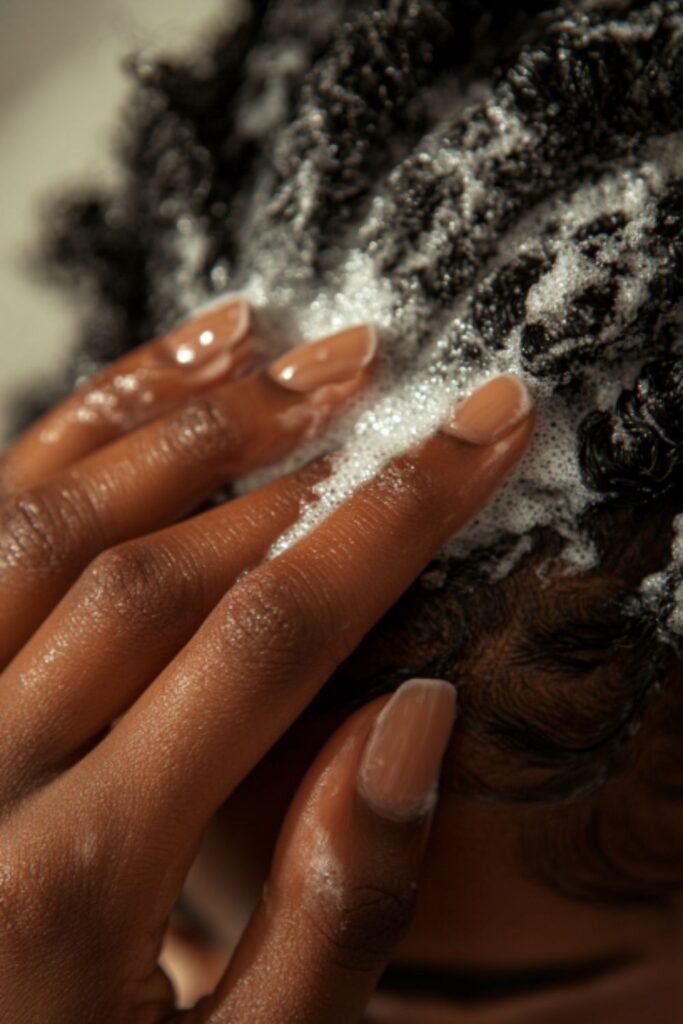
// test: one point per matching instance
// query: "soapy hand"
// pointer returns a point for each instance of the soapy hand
(152, 657)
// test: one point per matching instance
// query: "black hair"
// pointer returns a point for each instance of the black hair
(281, 132)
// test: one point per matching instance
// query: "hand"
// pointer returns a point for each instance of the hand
(147, 673)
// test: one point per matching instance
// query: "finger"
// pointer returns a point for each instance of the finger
(214, 345)
(278, 634)
(160, 472)
(343, 884)
(123, 621)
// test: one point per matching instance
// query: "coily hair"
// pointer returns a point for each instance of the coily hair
(467, 118)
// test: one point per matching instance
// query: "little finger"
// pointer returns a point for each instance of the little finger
(213, 345)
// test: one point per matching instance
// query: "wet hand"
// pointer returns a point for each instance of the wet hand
(151, 661)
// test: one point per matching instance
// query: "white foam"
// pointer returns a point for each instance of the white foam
(664, 590)
(401, 411)
(327, 875)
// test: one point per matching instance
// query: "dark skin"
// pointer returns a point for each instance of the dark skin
(101, 827)
(149, 667)
(489, 943)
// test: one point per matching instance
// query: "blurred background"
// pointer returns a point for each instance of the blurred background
(61, 86)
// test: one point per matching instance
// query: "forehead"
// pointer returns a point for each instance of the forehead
(479, 904)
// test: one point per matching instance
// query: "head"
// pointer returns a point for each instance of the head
(507, 179)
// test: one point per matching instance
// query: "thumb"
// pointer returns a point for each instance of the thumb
(344, 878)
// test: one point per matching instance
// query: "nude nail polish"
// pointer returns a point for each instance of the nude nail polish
(491, 412)
(330, 360)
(206, 342)
(401, 763)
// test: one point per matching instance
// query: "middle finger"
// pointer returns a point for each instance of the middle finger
(123, 621)
(278, 634)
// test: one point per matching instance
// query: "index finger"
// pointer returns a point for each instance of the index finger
(278, 634)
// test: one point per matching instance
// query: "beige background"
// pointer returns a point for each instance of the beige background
(60, 88)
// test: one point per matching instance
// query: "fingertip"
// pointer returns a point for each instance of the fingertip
(491, 412)
(333, 359)
(399, 771)
(205, 343)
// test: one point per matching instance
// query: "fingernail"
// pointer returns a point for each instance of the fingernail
(491, 412)
(401, 763)
(329, 360)
(206, 342)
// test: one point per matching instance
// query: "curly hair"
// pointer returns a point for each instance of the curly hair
(512, 176)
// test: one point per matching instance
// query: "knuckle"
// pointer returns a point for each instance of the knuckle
(23, 905)
(204, 431)
(139, 584)
(38, 530)
(275, 620)
(52, 921)
(31, 896)
(14, 890)
(48, 882)
(361, 930)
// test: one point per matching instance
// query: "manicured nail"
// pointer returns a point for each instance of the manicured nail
(401, 763)
(329, 360)
(206, 342)
(491, 412)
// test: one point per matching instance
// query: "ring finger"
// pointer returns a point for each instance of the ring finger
(270, 643)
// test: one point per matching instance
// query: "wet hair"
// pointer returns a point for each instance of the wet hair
(275, 140)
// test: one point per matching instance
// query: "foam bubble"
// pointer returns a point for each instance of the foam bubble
(419, 383)
(663, 592)
(396, 187)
